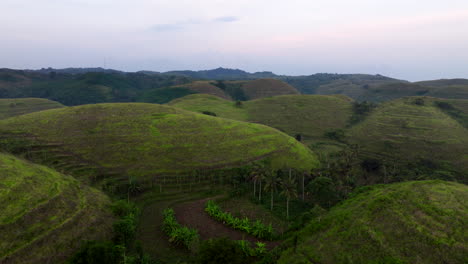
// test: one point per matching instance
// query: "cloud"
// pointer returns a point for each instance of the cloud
(226, 19)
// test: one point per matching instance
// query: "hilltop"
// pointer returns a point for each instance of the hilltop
(410, 222)
(21, 106)
(45, 214)
(147, 140)
(307, 115)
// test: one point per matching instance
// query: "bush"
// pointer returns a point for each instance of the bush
(99, 252)
(324, 191)
(257, 228)
(222, 250)
(336, 134)
(178, 234)
(209, 113)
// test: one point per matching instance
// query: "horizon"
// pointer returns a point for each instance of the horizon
(402, 39)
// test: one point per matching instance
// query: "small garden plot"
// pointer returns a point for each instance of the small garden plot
(255, 228)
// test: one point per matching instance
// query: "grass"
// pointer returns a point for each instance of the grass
(21, 106)
(308, 115)
(262, 88)
(403, 130)
(410, 222)
(45, 214)
(146, 140)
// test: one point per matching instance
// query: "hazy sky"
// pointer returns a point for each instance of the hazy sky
(409, 39)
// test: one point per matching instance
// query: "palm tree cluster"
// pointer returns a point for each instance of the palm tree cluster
(273, 183)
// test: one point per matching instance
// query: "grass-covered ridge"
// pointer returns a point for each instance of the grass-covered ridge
(21, 106)
(411, 129)
(144, 140)
(308, 115)
(411, 222)
(45, 214)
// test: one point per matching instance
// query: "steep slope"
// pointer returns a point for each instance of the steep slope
(45, 215)
(308, 115)
(411, 222)
(21, 106)
(146, 140)
(411, 129)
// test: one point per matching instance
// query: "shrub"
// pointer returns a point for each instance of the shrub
(178, 234)
(97, 252)
(222, 250)
(257, 228)
(209, 113)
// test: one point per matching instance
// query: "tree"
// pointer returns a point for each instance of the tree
(221, 250)
(133, 187)
(324, 191)
(289, 191)
(272, 182)
(257, 174)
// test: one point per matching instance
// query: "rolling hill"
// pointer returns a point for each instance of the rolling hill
(308, 115)
(261, 88)
(410, 222)
(146, 140)
(413, 129)
(21, 106)
(45, 215)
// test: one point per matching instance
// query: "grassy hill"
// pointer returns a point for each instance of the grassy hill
(21, 106)
(45, 214)
(410, 222)
(412, 129)
(308, 115)
(206, 87)
(146, 140)
(266, 88)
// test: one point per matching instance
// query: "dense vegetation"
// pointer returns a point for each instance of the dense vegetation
(411, 222)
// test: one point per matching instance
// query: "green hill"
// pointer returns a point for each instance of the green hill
(413, 129)
(21, 106)
(411, 222)
(45, 215)
(266, 88)
(147, 140)
(308, 115)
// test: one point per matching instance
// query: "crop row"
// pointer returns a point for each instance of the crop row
(178, 234)
(257, 228)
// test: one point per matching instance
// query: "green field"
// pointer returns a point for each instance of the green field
(147, 140)
(45, 214)
(411, 222)
(21, 106)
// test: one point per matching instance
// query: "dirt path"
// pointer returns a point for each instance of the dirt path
(192, 214)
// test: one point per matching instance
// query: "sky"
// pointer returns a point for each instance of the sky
(406, 39)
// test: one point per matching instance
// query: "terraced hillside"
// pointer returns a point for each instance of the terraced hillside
(411, 129)
(21, 106)
(308, 115)
(412, 222)
(147, 140)
(45, 215)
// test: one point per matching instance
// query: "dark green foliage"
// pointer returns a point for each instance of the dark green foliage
(371, 165)
(165, 95)
(418, 101)
(298, 137)
(257, 228)
(360, 111)
(220, 84)
(324, 191)
(222, 250)
(336, 134)
(98, 252)
(125, 226)
(238, 103)
(179, 235)
(209, 113)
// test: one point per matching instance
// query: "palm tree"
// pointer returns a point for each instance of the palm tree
(271, 184)
(133, 187)
(289, 190)
(258, 175)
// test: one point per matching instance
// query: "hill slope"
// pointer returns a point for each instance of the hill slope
(411, 222)
(21, 106)
(145, 140)
(266, 88)
(45, 215)
(308, 115)
(411, 129)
